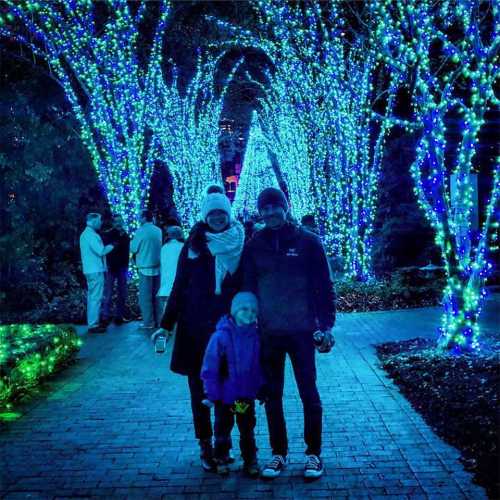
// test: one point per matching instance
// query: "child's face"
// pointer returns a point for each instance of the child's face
(246, 315)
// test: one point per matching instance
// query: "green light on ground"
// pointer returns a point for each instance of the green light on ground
(9, 416)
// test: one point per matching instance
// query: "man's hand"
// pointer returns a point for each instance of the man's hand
(328, 342)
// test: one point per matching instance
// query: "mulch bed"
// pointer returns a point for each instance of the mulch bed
(457, 396)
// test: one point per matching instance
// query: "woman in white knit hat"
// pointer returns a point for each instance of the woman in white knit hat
(204, 285)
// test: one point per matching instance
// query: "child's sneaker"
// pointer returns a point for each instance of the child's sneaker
(313, 468)
(222, 467)
(274, 467)
(251, 468)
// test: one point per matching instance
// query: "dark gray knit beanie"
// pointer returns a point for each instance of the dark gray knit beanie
(272, 196)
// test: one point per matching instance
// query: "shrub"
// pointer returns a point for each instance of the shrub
(29, 354)
(407, 288)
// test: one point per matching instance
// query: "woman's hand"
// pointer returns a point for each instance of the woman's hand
(161, 332)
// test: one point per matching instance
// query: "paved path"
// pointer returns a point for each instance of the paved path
(118, 424)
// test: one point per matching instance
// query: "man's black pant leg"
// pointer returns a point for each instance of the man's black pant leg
(122, 292)
(273, 360)
(302, 355)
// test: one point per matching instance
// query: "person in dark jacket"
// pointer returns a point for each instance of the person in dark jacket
(206, 280)
(118, 261)
(232, 378)
(286, 267)
(309, 223)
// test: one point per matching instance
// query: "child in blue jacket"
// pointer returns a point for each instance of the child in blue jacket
(232, 378)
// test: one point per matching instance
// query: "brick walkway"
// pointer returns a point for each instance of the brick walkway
(118, 424)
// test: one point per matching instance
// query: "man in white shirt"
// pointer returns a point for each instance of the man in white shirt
(146, 248)
(93, 253)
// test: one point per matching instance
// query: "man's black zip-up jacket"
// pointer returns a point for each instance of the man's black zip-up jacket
(288, 270)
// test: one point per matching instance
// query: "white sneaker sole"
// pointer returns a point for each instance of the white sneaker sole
(313, 474)
(269, 474)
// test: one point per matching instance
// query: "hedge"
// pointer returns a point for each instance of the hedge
(31, 353)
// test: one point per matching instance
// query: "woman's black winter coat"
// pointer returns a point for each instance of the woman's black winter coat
(195, 308)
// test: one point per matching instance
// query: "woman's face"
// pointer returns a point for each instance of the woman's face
(217, 220)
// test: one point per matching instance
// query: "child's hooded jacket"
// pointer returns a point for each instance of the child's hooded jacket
(231, 367)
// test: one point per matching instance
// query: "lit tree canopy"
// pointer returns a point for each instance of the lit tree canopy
(186, 128)
(257, 172)
(448, 54)
(92, 50)
(317, 112)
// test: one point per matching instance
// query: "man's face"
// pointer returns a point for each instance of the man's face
(117, 222)
(245, 315)
(274, 216)
(97, 223)
(217, 220)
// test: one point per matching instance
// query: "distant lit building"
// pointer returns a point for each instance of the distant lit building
(231, 182)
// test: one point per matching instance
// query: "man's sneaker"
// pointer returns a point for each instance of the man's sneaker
(274, 467)
(251, 468)
(313, 468)
(206, 455)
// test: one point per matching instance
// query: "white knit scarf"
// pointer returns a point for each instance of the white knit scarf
(226, 247)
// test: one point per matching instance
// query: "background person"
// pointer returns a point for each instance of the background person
(309, 223)
(118, 262)
(93, 253)
(146, 248)
(169, 258)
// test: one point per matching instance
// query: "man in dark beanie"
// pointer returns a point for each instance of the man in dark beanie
(286, 267)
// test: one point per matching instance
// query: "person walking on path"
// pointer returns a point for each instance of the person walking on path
(204, 285)
(146, 249)
(286, 267)
(232, 378)
(168, 264)
(118, 262)
(93, 253)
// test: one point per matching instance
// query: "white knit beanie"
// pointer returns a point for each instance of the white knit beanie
(215, 201)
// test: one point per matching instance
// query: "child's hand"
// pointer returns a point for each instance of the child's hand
(262, 395)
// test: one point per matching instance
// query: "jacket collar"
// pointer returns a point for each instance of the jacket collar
(228, 323)
(284, 233)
